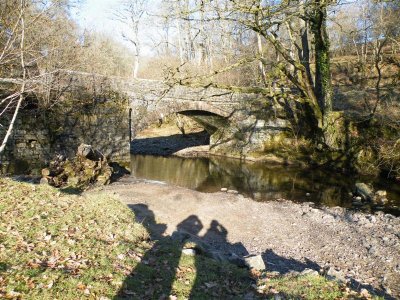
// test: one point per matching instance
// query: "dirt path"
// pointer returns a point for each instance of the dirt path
(359, 248)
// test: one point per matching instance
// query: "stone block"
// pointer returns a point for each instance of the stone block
(255, 262)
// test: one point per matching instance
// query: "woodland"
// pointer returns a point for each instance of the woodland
(339, 58)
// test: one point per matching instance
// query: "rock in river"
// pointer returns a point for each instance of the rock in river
(364, 191)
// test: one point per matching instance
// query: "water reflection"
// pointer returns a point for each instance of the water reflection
(260, 181)
(190, 173)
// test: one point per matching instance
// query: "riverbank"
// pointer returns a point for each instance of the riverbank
(361, 249)
(59, 244)
(167, 140)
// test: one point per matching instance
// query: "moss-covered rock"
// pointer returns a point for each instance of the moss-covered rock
(87, 168)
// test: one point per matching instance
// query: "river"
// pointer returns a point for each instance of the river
(262, 181)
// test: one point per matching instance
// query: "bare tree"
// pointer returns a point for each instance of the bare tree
(17, 33)
(130, 13)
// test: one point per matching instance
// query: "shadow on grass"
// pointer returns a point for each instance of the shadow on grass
(3, 267)
(167, 270)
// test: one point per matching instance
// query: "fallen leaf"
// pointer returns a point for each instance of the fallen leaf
(81, 286)
(13, 295)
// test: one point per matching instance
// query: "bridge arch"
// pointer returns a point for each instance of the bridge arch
(209, 116)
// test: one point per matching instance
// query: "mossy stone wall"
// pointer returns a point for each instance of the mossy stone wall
(41, 134)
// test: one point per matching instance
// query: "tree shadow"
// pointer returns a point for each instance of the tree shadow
(167, 145)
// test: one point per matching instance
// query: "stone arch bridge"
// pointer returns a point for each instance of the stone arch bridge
(152, 100)
(234, 120)
(237, 123)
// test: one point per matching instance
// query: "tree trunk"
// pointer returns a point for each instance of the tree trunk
(323, 82)
(136, 66)
(304, 53)
(22, 90)
(178, 26)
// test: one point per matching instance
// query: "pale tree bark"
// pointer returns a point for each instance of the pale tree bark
(22, 89)
(180, 43)
(202, 46)
(261, 66)
(130, 13)
(188, 32)
(304, 50)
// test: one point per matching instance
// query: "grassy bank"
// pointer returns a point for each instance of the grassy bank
(55, 245)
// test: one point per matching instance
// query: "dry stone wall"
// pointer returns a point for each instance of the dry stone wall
(39, 135)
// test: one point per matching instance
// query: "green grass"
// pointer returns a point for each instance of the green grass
(55, 245)
(63, 246)
(306, 287)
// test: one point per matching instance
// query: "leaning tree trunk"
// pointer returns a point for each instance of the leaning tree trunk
(24, 74)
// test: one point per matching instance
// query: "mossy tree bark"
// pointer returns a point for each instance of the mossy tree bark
(323, 81)
(302, 21)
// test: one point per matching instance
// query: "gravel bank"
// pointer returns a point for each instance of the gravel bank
(362, 249)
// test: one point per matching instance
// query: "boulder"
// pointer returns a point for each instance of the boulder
(336, 275)
(255, 262)
(380, 197)
(87, 168)
(381, 193)
(88, 152)
(364, 191)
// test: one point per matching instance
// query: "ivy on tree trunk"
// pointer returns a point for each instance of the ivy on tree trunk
(323, 81)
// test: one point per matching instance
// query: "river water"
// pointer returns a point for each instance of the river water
(261, 181)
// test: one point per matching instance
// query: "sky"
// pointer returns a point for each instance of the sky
(96, 15)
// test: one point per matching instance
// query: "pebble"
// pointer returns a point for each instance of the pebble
(365, 293)
(309, 272)
(371, 250)
(190, 252)
(224, 190)
(388, 291)
(232, 192)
